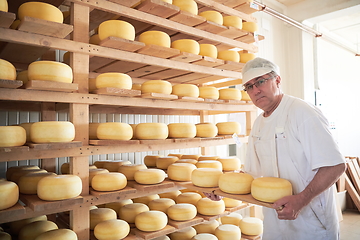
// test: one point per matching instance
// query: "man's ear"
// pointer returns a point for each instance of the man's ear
(278, 81)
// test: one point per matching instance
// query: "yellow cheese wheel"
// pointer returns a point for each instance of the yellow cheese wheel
(229, 94)
(156, 86)
(117, 205)
(129, 170)
(128, 212)
(100, 163)
(116, 28)
(230, 163)
(4, 6)
(206, 130)
(233, 218)
(50, 71)
(183, 234)
(98, 215)
(16, 226)
(208, 157)
(27, 127)
(40, 10)
(250, 26)
(112, 181)
(111, 229)
(232, 21)
(245, 96)
(164, 237)
(59, 187)
(113, 166)
(161, 204)
(182, 130)
(114, 131)
(207, 227)
(212, 16)
(52, 131)
(12, 136)
(206, 206)
(231, 203)
(95, 39)
(206, 177)
(150, 160)
(58, 234)
(133, 126)
(209, 164)
(7, 70)
(190, 156)
(270, 189)
(235, 183)
(9, 194)
(187, 6)
(150, 221)
(151, 131)
(186, 45)
(114, 80)
(146, 199)
(34, 229)
(149, 176)
(165, 162)
(13, 169)
(204, 236)
(245, 57)
(228, 232)
(188, 197)
(5, 235)
(172, 194)
(15, 24)
(181, 212)
(208, 92)
(209, 50)
(229, 55)
(251, 226)
(15, 177)
(28, 182)
(136, 86)
(228, 128)
(180, 171)
(185, 90)
(22, 76)
(158, 38)
(179, 155)
(191, 161)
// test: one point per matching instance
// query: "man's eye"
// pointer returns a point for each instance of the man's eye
(249, 87)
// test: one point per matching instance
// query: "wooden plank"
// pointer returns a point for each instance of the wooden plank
(187, 18)
(159, 96)
(186, 57)
(14, 149)
(158, 8)
(166, 184)
(146, 70)
(38, 205)
(117, 92)
(231, 3)
(113, 142)
(96, 63)
(127, 3)
(159, 51)
(166, 74)
(184, 224)
(232, 66)
(189, 99)
(122, 44)
(211, 27)
(248, 8)
(120, 193)
(353, 174)
(209, 62)
(6, 19)
(188, 77)
(20, 53)
(126, 67)
(213, 217)
(352, 192)
(50, 86)
(150, 235)
(16, 210)
(233, 33)
(237, 208)
(59, 145)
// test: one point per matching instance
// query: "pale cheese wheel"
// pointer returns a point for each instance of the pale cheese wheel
(66, 58)
(204, 236)
(129, 170)
(5, 235)
(95, 39)
(113, 166)
(186, 45)
(206, 130)
(112, 181)
(12, 136)
(98, 215)
(133, 126)
(165, 162)
(28, 182)
(209, 50)
(235, 183)
(15, 177)
(187, 6)
(179, 155)
(181, 212)
(212, 16)
(13, 169)
(208, 157)
(233, 218)
(58, 234)
(207, 227)
(146, 199)
(100, 163)
(180, 171)
(185, 90)
(190, 156)
(209, 92)
(183, 234)
(113, 80)
(149, 176)
(156, 86)
(250, 26)
(114, 131)
(150, 160)
(34, 229)
(172, 194)
(111, 229)
(182, 130)
(164, 237)
(4, 5)
(209, 164)
(245, 96)
(188, 197)
(206, 177)
(52, 131)
(27, 127)
(16, 226)
(116, 28)
(9, 194)
(230, 163)
(128, 212)
(7, 70)
(208, 207)
(245, 57)
(15, 24)
(151, 131)
(232, 21)
(228, 128)
(191, 161)
(161, 204)
(251, 226)
(136, 86)
(231, 203)
(229, 94)
(228, 232)
(59, 187)
(229, 55)
(50, 71)
(150, 221)
(117, 205)
(23, 76)
(270, 189)
(158, 38)
(40, 10)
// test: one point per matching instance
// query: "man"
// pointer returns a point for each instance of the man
(291, 140)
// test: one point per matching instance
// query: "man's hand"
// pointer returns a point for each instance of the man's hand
(213, 196)
(289, 207)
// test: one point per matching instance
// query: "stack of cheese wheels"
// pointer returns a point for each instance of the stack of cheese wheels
(34, 229)
(233, 218)
(59, 187)
(117, 205)
(149, 176)
(111, 229)
(156, 86)
(182, 234)
(23, 76)
(52, 131)
(150, 160)
(208, 50)
(180, 171)
(213, 16)
(208, 157)
(165, 162)
(151, 131)
(187, 6)
(229, 55)
(12, 136)
(186, 45)
(58, 234)
(181, 212)
(112, 181)
(228, 128)
(231, 203)
(245, 56)
(16, 226)
(185, 90)
(270, 189)
(13, 169)
(27, 127)
(204, 236)
(251, 226)
(232, 21)
(206, 177)
(158, 38)
(40, 10)
(114, 131)
(188, 197)
(50, 71)
(230, 94)
(245, 96)
(146, 199)
(128, 212)
(191, 161)
(4, 6)
(182, 130)
(172, 194)
(116, 28)
(235, 183)
(150, 221)
(250, 26)
(207, 227)
(93, 172)
(129, 170)
(113, 80)
(161, 204)
(209, 164)
(209, 92)
(190, 156)
(95, 39)
(28, 182)
(230, 163)
(206, 130)
(98, 215)
(228, 232)
(7, 70)
(208, 207)
(15, 177)
(9, 194)
(113, 166)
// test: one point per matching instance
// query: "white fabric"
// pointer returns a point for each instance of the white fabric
(292, 143)
(258, 67)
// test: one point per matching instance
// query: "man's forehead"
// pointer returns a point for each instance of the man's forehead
(255, 79)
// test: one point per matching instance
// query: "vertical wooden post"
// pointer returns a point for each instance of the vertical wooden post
(204, 117)
(250, 118)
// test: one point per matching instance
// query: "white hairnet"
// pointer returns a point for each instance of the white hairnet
(258, 67)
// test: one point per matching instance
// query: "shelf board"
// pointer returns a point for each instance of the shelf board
(38, 205)
(10, 83)
(6, 19)
(15, 211)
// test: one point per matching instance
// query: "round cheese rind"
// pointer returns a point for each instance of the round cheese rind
(52, 131)
(15, 177)
(206, 130)
(188, 197)
(156, 86)
(183, 234)
(129, 170)
(270, 189)
(151, 131)
(98, 215)
(179, 155)
(4, 6)
(180, 171)
(128, 212)
(149, 176)
(158, 38)
(9, 194)
(93, 172)
(229, 55)
(209, 50)
(150, 221)
(207, 227)
(165, 162)
(114, 131)
(185, 90)
(100, 163)
(231, 203)
(245, 57)
(161, 204)
(113, 166)
(58, 234)
(190, 156)
(229, 94)
(13, 169)
(206, 177)
(95, 39)
(233, 218)
(22, 76)
(251, 226)
(28, 182)
(5, 235)
(230, 163)
(146, 199)
(209, 164)
(7, 70)
(208, 157)
(116, 28)
(208, 207)
(181, 212)
(191, 161)
(34, 229)
(209, 92)
(50, 71)
(227, 232)
(59, 187)
(114, 80)
(12, 136)
(213, 16)
(187, 5)
(235, 183)
(245, 96)
(182, 130)
(16, 226)
(204, 236)
(111, 229)
(228, 128)
(150, 160)
(112, 181)
(40, 10)
(186, 45)
(172, 194)
(117, 205)
(232, 21)
(250, 26)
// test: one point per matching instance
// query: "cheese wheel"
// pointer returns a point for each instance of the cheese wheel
(150, 160)
(181, 212)
(12, 136)
(179, 155)
(116, 28)
(129, 170)
(209, 164)
(150, 221)
(15, 177)
(149, 176)
(113, 166)
(231, 203)
(100, 163)
(128, 212)
(208, 92)
(16, 226)
(151, 131)
(182, 130)
(146, 199)
(208, 157)
(208, 207)
(98, 215)
(58, 234)
(156, 86)
(59, 187)
(164, 237)
(4, 235)
(183, 234)
(235, 183)
(245, 96)
(190, 156)
(229, 55)
(52, 131)
(230, 163)
(172, 194)
(27, 127)
(9, 194)
(95, 39)
(228, 232)
(185, 90)
(270, 189)
(111, 229)
(113, 80)
(186, 45)
(207, 227)
(15, 24)
(245, 57)
(40, 10)
(7, 70)
(250, 26)
(230, 94)
(50, 71)
(28, 182)
(209, 50)
(4, 5)
(204, 236)
(158, 38)
(22, 76)
(228, 128)
(117, 205)
(212, 16)
(112, 181)
(191, 161)
(14, 169)
(34, 229)
(187, 6)
(136, 86)
(133, 126)
(93, 172)
(232, 21)
(233, 218)
(180, 171)
(188, 197)
(114, 131)
(251, 226)
(206, 177)
(206, 130)
(161, 204)
(165, 162)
